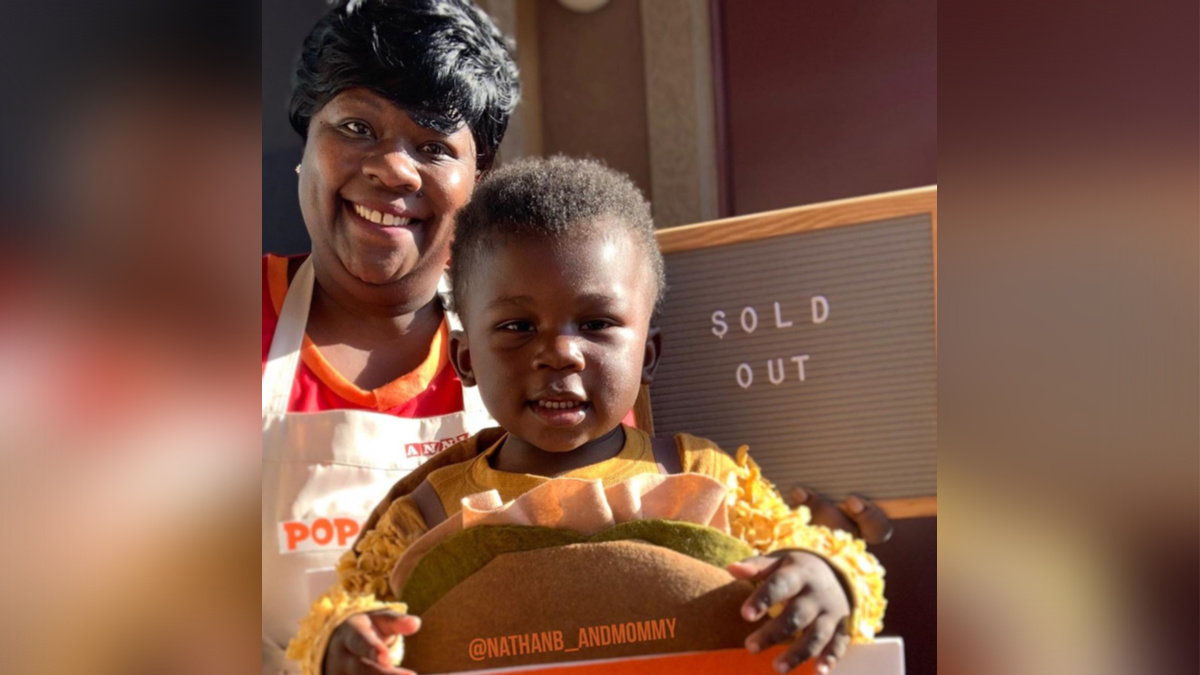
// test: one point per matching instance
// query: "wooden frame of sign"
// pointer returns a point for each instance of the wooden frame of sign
(887, 234)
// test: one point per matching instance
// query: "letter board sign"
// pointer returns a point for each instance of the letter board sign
(809, 334)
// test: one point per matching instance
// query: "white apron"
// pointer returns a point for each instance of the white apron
(323, 473)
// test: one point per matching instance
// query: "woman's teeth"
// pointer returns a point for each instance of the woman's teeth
(385, 219)
(560, 405)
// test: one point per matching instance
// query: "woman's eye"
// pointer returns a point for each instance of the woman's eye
(357, 128)
(436, 149)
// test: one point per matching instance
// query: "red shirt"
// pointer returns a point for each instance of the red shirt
(432, 389)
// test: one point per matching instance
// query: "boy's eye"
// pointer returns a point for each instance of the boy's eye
(357, 128)
(596, 324)
(517, 327)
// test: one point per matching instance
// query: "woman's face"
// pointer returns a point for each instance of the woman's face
(379, 193)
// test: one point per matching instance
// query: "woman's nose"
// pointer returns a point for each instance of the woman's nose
(561, 352)
(394, 169)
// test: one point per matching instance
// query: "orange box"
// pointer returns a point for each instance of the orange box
(884, 657)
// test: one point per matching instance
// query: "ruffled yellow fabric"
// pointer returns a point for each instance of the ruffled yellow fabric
(329, 611)
(379, 548)
(760, 517)
(363, 585)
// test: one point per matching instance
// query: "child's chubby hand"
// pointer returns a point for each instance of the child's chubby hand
(813, 602)
(359, 645)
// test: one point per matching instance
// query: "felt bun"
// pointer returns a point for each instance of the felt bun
(590, 600)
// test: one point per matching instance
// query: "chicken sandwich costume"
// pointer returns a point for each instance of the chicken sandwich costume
(621, 558)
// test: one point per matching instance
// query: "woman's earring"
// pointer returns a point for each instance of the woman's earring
(297, 169)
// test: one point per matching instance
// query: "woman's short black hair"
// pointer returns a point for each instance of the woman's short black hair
(443, 61)
(555, 198)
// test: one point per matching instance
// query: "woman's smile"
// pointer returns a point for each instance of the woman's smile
(388, 217)
(391, 223)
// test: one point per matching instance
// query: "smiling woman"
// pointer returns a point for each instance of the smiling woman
(402, 106)
(378, 193)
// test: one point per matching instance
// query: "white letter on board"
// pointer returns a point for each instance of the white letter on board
(799, 360)
(820, 309)
(745, 376)
(720, 328)
(749, 328)
(771, 371)
(779, 322)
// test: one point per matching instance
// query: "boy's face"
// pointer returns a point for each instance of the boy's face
(557, 335)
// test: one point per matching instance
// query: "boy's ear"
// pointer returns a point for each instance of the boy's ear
(460, 357)
(653, 353)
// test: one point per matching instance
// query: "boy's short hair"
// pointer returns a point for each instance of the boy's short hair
(443, 61)
(550, 199)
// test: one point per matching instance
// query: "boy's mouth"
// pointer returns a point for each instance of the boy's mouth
(560, 412)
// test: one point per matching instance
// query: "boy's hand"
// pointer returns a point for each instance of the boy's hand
(856, 515)
(815, 608)
(359, 646)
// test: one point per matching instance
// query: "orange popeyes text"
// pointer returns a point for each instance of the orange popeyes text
(318, 534)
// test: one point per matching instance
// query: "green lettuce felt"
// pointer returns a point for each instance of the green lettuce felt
(697, 541)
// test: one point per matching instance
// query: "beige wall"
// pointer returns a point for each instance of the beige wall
(630, 83)
(592, 82)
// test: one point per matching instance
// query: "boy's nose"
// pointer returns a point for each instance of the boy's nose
(561, 352)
